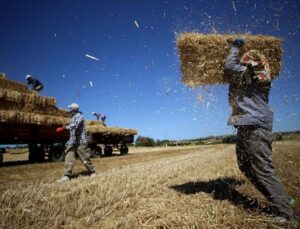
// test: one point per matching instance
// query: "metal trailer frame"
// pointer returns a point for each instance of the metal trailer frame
(45, 143)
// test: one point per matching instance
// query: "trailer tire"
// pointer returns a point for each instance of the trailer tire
(99, 151)
(57, 154)
(123, 150)
(36, 153)
(95, 151)
(108, 150)
(1, 158)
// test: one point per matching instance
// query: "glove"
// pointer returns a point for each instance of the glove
(238, 42)
(60, 129)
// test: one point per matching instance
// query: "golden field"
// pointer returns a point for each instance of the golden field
(187, 187)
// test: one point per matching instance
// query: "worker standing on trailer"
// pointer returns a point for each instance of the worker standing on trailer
(36, 84)
(100, 116)
(250, 83)
(77, 144)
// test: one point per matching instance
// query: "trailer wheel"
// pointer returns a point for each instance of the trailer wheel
(99, 151)
(57, 153)
(108, 150)
(95, 151)
(123, 150)
(36, 153)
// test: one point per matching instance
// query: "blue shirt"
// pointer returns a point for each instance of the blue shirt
(77, 129)
(248, 100)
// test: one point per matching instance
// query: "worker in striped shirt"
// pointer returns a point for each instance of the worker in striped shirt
(77, 144)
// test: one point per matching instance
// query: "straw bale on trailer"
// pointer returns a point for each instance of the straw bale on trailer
(93, 122)
(28, 107)
(31, 118)
(110, 130)
(203, 56)
(32, 98)
(18, 104)
(13, 85)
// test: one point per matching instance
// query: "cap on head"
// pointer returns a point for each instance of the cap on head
(94, 113)
(28, 77)
(74, 107)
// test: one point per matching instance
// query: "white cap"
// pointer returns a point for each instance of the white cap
(93, 113)
(74, 106)
(28, 76)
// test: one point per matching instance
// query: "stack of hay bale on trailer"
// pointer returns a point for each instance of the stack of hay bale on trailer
(28, 118)
(20, 105)
(112, 137)
(203, 55)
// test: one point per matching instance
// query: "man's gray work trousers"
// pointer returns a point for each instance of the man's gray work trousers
(84, 156)
(254, 156)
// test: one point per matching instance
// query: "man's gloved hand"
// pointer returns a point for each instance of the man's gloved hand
(238, 42)
(60, 129)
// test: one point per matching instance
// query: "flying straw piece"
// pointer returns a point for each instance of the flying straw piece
(92, 57)
(91, 83)
(233, 5)
(136, 24)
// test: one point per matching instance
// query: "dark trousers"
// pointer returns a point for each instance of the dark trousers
(254, 156)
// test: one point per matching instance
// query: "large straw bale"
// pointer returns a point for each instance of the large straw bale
(32, 108)
(31, 118)
(93, 122)
(32, 98)
(203, 55)
(13, 85)
(110, 130)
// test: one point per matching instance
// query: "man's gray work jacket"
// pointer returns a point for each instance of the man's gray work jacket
(248, 100)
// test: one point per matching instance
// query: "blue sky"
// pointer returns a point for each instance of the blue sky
(136, 81)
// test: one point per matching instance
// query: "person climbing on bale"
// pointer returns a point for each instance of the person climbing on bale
(36, 84)
(100, 116)
(249, 88)
(77, 144)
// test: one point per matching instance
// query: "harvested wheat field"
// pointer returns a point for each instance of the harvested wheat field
(185, 188)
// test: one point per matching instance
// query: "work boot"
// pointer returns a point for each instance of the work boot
(63, 179)
(93, 175)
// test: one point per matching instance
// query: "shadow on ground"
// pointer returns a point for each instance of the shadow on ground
(84, 173)
(223, 189)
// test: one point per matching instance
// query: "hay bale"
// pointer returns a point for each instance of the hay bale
(32, 108)
(203, 56)
(21, 97)
(31, 118)
(13, 85)
(110, 130)
(93, 122)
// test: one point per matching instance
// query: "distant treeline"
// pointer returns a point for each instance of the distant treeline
(231, 138)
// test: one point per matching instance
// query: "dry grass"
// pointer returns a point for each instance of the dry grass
(194, 188)
(203, 55)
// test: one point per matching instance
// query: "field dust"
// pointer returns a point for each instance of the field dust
(198, 187)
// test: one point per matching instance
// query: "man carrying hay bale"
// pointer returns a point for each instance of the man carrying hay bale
(249, 88)
(36, 84)
(77, 144)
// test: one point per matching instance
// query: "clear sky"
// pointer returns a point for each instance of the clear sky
(137, 81)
